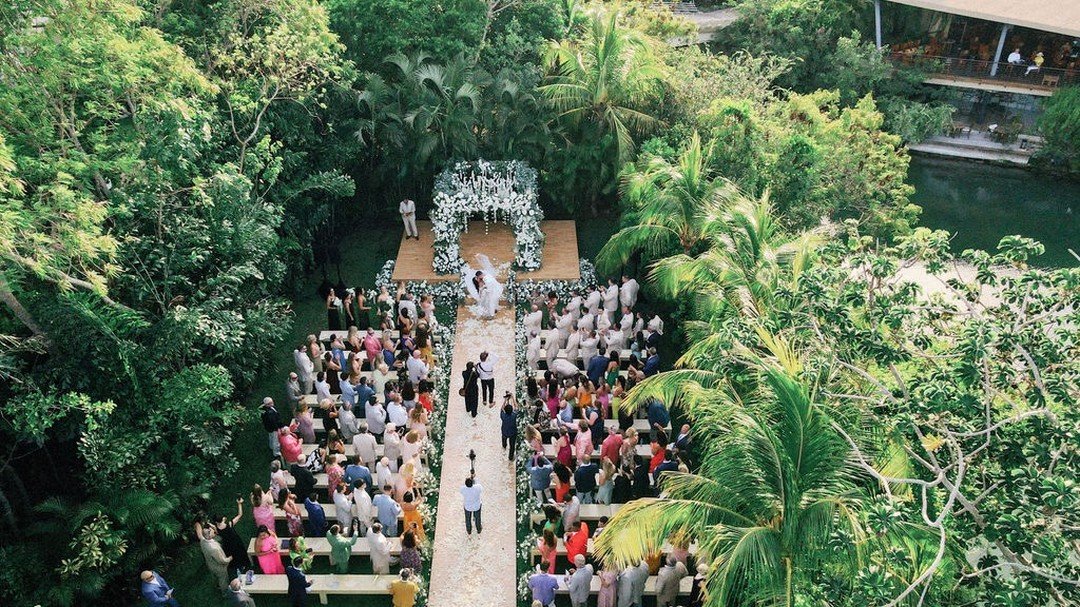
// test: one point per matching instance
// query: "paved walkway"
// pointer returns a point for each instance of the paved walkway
(481, 570)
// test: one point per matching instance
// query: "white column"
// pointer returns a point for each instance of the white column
(877, 23)
(1000, 47)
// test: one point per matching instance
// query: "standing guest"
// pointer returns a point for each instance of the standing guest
(540, 469)
(341, 495)
(682, 441)
(628, 292)
(364, 443)
(632, 585)
(347, 308)
(391, 448)
(216, 559)
(413, 519)
(357, 471)
(577, 542)
(305, 369)
(411, 446)
(298, 584)
(585, 480)
(403, 591)
(347, 389)
(407, 209)
(375, 415)
(571, 515)
(388, 510)
(667, 582)
(572, 351)
(471, 500)
(340, 548)
(562, 481)
(364, 390)
(303, 478)
(292, 515)
(532, 351)
(668, 464)
(548, 547)
(333, 311)
(658, 416)
(361, 508)
(417, 368)
(271, 421)
(156, 590)
(410, 554)
(305, 423)
(291, 449)
(543, 586)
(262, 504)
(508, 417)
(379, 547)
(234, 547)
(298, 549)
(579, 582)
(395, 411)
(486, 370)
(623, 491)
(533, 320)
(593, 300)
(238, 597)
(294, 391)
(609, 580)
(322, 386)
(268, 549)
(697, 588)
(610, 448)
(372, 347)
(611, 301)
(384, 472)
(606, 482)
(347, 423)
(652, 363)
(470, 389)
(597, 365)
(590, 346)
(600, 524)
(315, 513)
(574, 305)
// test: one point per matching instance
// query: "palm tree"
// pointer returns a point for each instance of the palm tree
(425, 113)
(748, 257)
(665, 204)
(601, 85)
(775, 485)
(514, 124)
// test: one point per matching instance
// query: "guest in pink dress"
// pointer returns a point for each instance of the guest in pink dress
(262, 504)
(608, 584)
(268, 549)
(291, 450)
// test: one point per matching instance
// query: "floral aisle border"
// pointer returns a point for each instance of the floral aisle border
(505, 191)
(521, 293)
(446, 296)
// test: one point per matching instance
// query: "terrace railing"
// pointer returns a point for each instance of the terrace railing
(957, 67)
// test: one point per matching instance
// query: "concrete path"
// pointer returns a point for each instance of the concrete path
(481, 570)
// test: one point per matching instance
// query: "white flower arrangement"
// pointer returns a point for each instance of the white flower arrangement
(498, 191)
(522, 290)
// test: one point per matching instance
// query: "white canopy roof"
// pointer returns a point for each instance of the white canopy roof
(1056, 16)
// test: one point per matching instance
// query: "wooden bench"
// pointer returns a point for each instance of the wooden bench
(320, 546)
(325, 584)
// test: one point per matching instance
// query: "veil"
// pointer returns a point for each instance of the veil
(487, 303)
(467, 273)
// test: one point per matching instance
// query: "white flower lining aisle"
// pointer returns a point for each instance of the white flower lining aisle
(481, 570)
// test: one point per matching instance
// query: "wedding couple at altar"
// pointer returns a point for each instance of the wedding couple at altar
(482, 285)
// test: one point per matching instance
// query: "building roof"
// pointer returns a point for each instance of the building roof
(1056, 16)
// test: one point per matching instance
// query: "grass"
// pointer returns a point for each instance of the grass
(363, 254)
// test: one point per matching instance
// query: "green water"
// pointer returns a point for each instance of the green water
(980, 203)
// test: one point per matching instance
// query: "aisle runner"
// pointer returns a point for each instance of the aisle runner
(477, 571)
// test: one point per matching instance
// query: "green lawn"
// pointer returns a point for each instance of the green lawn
(362, 256)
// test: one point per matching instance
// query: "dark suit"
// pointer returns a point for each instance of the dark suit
(305, 480)
(298, 585)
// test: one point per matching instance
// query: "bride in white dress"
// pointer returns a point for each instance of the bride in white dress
(480, 283)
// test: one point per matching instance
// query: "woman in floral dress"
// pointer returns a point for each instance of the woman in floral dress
(292, 515)
(410, 554)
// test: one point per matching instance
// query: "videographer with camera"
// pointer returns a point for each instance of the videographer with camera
(508, 415)
(470, 498)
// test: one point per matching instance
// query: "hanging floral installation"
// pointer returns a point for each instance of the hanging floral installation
(497, 191)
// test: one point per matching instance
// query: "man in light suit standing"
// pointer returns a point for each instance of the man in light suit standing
(632, 585)
(667, 582)
(579, 583)
(407, 208)
(611, 300)
(628, 292)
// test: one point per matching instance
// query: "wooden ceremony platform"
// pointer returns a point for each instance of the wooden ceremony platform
(560, 260)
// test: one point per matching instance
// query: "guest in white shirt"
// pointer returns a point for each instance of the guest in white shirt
(572, 351)
(407, 208)
(628, 292)
(470, 499)
(322, 387)
(611, 300)
(305, 369)
(593, 300)
(485, 369)
(418, 369)
(532, 320)
(587, 321)
(575, 307)
(396, 413)
(532, 352)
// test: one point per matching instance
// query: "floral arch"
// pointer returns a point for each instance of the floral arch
(498, 191)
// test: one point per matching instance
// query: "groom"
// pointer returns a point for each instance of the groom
(478, 283)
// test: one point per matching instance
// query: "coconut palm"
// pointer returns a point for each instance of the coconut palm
(601, 85)
(665, 206)
(775, 485)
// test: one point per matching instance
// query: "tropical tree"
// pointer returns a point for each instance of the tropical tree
(775, 487)
(602, 86)
(665, 207)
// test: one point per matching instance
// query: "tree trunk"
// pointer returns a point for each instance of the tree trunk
(20, 312)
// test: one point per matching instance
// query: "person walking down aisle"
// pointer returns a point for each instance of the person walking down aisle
(486, 370)
(470, 495)
(470, 390)
(508, 417)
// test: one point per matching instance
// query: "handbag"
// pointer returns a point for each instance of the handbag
(461, 390)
